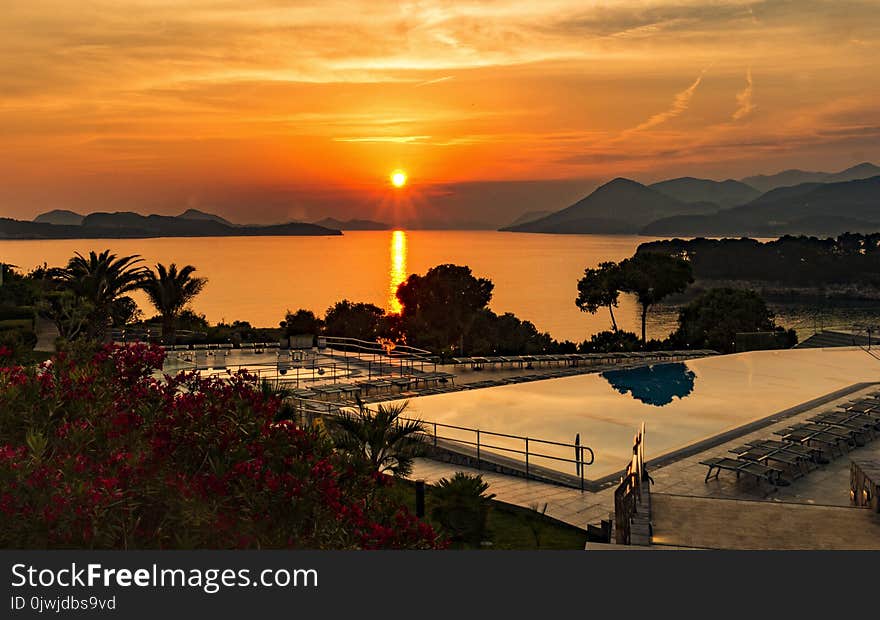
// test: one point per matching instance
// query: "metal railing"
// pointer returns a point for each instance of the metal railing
(628, 494)
(527, 454)
(373, 347)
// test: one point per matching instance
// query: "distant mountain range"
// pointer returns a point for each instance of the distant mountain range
(808, 208)
(60, 224)
(329, 222)
(195, 214)
(60, 217)
(787, 178)
(827, 203)
(725, 194)
(621, 206)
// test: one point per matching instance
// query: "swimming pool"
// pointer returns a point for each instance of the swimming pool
(681, 403)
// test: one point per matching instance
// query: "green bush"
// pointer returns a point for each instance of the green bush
(461, 507)
(17, 343)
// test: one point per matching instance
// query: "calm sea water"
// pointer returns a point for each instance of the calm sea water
(258, 278)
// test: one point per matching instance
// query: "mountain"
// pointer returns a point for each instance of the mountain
(864, 170)
(529, 216)
(808, 208)
(725, 194)
(128, 225)
(195, 214)
(620, 206)
(61, 217)
(329, 222)
(765, 183)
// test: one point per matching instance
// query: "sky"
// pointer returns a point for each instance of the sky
(269, 111)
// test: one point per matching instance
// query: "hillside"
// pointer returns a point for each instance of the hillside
(786, 178)
(621, 206)
(329, 222)
(810, 208)
(62, 217)
(725, 194)
(195, 214)
(529, 216)
(128, 225)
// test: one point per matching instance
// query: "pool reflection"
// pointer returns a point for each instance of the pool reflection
(654, 385)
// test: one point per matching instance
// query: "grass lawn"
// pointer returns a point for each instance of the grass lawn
(509, 526)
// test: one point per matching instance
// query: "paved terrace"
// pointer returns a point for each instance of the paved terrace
(753, 515)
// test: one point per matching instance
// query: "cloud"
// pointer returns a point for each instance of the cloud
(435, 81)
(394, 139)
(680, 104)
(744, 99)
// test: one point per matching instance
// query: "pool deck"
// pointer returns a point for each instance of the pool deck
(748, 515)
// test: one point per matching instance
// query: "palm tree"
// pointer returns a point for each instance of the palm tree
(102, 281)
(170, 290)
(384, 441)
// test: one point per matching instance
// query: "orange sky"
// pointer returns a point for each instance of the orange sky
(269, 110)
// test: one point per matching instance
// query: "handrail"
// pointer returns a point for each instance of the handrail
(375, 347)
(528, 442)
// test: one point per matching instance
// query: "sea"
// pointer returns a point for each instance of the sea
(258, 279)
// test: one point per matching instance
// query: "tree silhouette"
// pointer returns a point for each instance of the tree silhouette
(600, 288)
(170, 290)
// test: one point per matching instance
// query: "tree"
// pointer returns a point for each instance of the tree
(651, 277)
(101, 280)
(600, 288)
(353, 320)
(712, 320)
(379, 439)
(69, 313)
(505, 334)
(124, 311)
(439, 307)
(170, 290)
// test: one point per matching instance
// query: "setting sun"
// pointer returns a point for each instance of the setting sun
(398, 178)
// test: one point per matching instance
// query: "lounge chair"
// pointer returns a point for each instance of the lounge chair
(765, 454)
(759, 471)
(805, 437)
(810, 453)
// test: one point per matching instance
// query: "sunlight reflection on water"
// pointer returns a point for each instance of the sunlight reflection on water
(397, 268)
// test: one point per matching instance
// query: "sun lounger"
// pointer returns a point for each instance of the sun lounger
(764, 454)
(805, 436)
(811, 453)
(759, 471)
(848, 435)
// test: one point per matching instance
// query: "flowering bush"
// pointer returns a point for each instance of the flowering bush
(101, 451)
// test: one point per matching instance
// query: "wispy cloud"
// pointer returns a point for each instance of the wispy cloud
(744, 105)
(394, 139)
(680, 104)
(435, 81)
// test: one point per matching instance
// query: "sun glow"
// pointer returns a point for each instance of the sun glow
(398, 178)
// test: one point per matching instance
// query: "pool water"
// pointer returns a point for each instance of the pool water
(681, 403)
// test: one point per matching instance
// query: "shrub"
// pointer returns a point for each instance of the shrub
(461, 507)
(99, 451)
(16, 343)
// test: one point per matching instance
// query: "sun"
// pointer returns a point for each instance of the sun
(398, 178)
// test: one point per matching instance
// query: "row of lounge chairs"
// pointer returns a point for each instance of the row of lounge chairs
(803, 446)
(576, 359)
(257, 347)
(410, 385)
